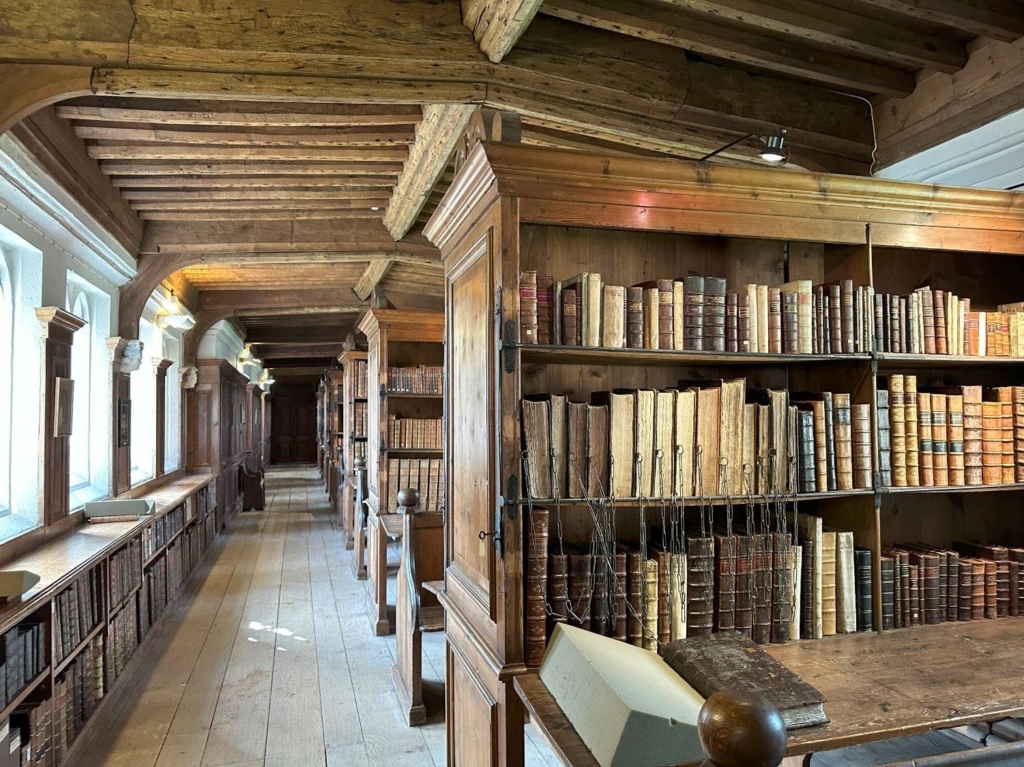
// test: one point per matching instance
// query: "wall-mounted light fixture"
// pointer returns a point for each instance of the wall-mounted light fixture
(774, 150)
(174, 316)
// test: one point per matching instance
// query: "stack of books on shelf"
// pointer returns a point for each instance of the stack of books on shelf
(24, 657)
(706, 438)
(423, 474)
(26, 737)
(76, 694)
(122, 638)
(697, 313)
(419, 380)
(758, 583)
(968, 581)
(414, 433)
(949, 436)
(359, 419)
(162, 530)
(77, 610)
(360, 379)
(125, 571)
(931, 321)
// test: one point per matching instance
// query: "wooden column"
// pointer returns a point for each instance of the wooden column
(161, 412)
(58, 328)
(125, 357)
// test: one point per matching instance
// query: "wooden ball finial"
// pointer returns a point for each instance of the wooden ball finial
(739, 729)
(359, 463)
(408, 497)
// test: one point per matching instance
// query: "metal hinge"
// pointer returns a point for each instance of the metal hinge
(383, 391)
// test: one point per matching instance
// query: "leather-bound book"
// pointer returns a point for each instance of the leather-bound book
(621, 406)
(763, 301)
(863, 590)
(709, 409)
(810, 529)
(577, 449)
(774, 320)
(666, 326)
(860, 416)
(973, 436)
(992, 443)
(928, 319)
(545, 307)
(581, 585)
(597, 451)
(617, 593)
(731, 662)
(558, 589)
(897, 425)
(652, 320)
(906, 328)
(663, 559)
(843, 438)
(846, 293)
(725, 582)
(750, 301)
(677, 588)
(790, 323)
(685, 441)
(570, 317)
(805, 320)
(600, 603)
(528, 307)
(714, 314)
(1002, 589)
(828, 583)
(744, 617)
(730, 430)
(643, 430)
(1014, 576)
(846, 586)
(817, 408)
(965, 601)
(693, 313)
(635, 572)
(955, 438)
(806, 589)
(536, 597)
(613, 317)
(916, 576)
(732, 336)
(830, 440)
(884, 438)
(991, 589)
(1018, 431)
(1017, 555)
(952, 585)
(664, 443)
(826, 328)
(940, 322)
(1005, 394)
(782, 587)
(888, 588)
(929, 585)
(744, 315)
(700, 584)
(924, 435)
(678, 314)
(634, 317)
(761, 571)
(820, 347)
(910, 411)
(796, 603)
(537, 444)
(940, 439)
(878, 316)
(650, 638)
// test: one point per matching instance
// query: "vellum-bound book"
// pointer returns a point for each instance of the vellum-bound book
(629, 707)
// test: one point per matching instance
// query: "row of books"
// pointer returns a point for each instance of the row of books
(414, 433)
(26, 737)
(949, 436)
(760, 584)
(125, 571)
(122, 638)
(359, 450)
(423, 474)
(163, 528)
(931, 321)
(705, 438)
(205, 499)
(163, 579)
(968, 581)
(359, 419)
(76, 695)
(425, 379)
(24, 657)
(77, 610)
(361, 368)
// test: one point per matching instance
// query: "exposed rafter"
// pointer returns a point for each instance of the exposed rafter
(498, 24)
(369, 280)
(998, 19)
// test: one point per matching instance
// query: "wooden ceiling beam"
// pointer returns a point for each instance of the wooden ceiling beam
(745, 47)
(297, 349)
(348, 115)
(368, 184)
(246, 154)
(256, 168)
(246, 193)
(498, 24)
(436, 137)
(297, 301)
(998, 19)
(837, 28)
(265, 215)
(334, 138)
(263, 205)
(375, 272)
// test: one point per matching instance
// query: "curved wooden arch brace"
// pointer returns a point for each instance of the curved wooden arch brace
(205, 319)
(24, 88)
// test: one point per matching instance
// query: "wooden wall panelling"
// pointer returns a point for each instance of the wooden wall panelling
(349, 439)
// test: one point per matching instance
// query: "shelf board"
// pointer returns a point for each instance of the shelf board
(81, 646)
(895, 360)
(588, 355)
(717, 500)
(28, 690)
(952, 489)
(414, 451)
(123, 602)
(410, 395)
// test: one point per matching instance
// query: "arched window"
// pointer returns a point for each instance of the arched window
(6, 372)
(82, 354)
(143, 390)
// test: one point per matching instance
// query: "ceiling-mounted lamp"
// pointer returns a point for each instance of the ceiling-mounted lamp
(775, 149)
(174, 315)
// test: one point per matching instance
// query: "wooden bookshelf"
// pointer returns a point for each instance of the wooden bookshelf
(515, 208)
(353, 366)
(395, 339)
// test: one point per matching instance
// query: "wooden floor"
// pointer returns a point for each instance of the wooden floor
(267, 658)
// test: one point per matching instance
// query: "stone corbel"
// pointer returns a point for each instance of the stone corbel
(125, 354)
(189, 377)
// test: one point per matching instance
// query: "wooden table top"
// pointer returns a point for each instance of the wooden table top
(61, 560)
(876, 687)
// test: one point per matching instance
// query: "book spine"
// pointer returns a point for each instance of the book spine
(635, 598)
(664, 597)
(570, 318)
(865, 597)
(790, 323)
(725, 582)
(835, 301)
(1018, 432)
(828, 584)
(819, 320)
(888, 592)
(910, 411)
(693, 314)
(714, 314)
(545, 317)
(744, 618)
(992, 442)
(558, 590)
(862, 459)
(884, 438)
(1002, 589)
(774, 320)
(666, 326)
(536, 586)
(744, 315)
(650, 607)
(619, 622)
(925, 441)
(928, 320)
(782, 587)
(528, 311)
(844, 441)
(941, 334)
(973, 436)
(991, 588)
(580, 590)
(808, 473)
(700, 585)
(761, 597)
(940, 439)
(897, 426)
(847, 316)
(807, 590)
(830, 441)
(1006, 407)
(732, 337)
(652, 322)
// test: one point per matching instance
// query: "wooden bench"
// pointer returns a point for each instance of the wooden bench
(359, 521)
(381, 527)
(417, 608)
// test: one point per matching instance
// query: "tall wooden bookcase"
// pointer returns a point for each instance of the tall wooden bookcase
(333, 402)
(395, 339)
(353, 437)
(514, 208)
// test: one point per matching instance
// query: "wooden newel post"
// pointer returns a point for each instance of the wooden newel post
(408, 500)
(739, 729)
(359, 520)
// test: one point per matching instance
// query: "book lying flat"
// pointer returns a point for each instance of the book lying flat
(730, 661)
